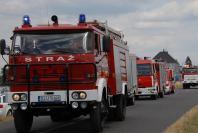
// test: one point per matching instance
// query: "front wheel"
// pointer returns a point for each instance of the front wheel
(23, 121)
(154, 97)
(98, 115)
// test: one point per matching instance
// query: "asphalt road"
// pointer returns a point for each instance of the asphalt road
(147, 116)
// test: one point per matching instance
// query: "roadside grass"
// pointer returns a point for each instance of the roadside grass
(188, 123)
(178, 85)
(5, 118)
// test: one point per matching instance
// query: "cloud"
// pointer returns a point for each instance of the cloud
(149, 26)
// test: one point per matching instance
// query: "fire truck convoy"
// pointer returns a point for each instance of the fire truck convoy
(151, 78)
(65, 71)
(190, 76)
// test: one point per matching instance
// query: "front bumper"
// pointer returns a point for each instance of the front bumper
(64, 100)
(146, 91)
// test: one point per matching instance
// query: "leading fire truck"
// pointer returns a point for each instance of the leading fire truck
(65, 71)
(151, 78)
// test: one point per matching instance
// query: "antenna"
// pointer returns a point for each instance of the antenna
(47, 14)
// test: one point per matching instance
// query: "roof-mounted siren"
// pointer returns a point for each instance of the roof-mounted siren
(26, 21)
(146, 58)
(159, 60)
(82, 18)
(54, 19)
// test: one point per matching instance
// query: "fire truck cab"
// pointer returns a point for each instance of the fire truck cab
(151, 78)
(65, 71)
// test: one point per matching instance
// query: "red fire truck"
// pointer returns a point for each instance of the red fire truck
(65, 71)
(170, 86)
(190, 76)
(151, 78)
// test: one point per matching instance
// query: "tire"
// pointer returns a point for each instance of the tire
(120, 111)
(173, 91)
(23, 121)
(136, 97)
(161, 94)
(154, 97)
(131, 101)
(186, 86)
(98, 115)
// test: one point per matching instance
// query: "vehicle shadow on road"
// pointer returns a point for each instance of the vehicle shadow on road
(82, 125)
(191, 88)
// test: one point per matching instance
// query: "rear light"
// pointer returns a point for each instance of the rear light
(1, 106)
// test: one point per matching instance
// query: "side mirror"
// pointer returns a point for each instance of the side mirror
(106, 43)
(7, 50)
(2, 46)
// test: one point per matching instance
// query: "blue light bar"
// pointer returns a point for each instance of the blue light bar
(82, 18)
(26, 20)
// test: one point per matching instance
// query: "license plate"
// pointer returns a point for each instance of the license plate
(49, 98)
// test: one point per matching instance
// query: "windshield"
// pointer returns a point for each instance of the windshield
(144, 69)
(53, 43)
(190, 70)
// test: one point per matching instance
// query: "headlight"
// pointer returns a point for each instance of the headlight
(83, 105)
(83, 95)
(79, 95)
(75, 95)
(23, 97)
(74, 105)
(23, 106)
(16, 97)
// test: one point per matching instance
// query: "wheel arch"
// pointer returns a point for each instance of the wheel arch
(102, 88)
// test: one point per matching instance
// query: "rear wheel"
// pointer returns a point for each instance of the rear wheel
(23, 121)
(120, 111)
(131, 101)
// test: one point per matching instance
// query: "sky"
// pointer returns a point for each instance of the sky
(149, 26)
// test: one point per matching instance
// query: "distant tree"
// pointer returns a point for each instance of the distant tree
(188, 61)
